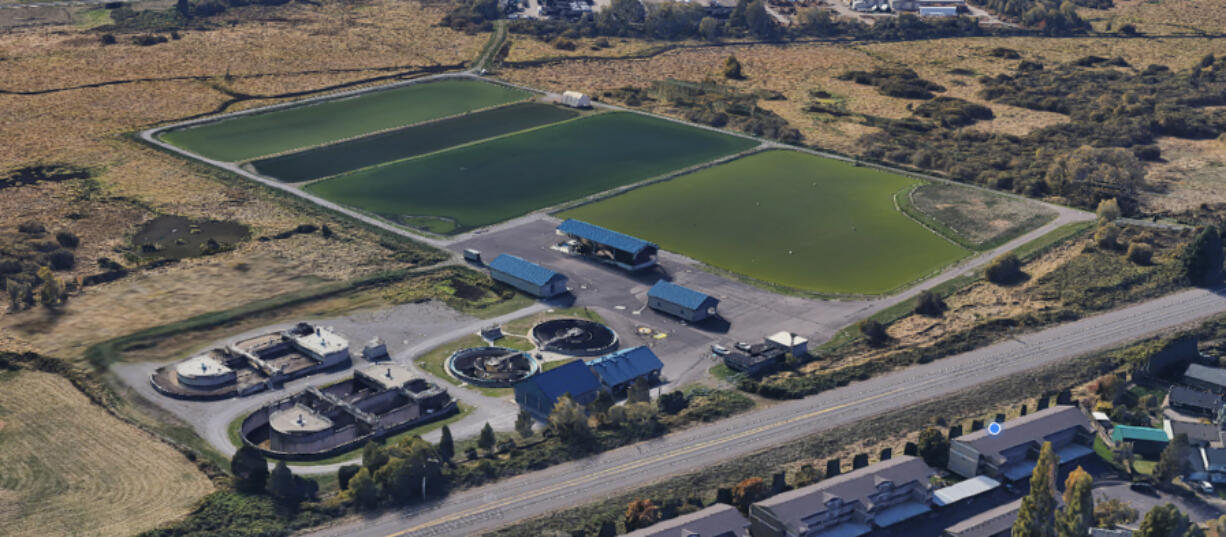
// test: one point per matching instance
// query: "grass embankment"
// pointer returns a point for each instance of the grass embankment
(499, 179)
(408, 142)
(785, 218)
(251, 136)
(69, 464)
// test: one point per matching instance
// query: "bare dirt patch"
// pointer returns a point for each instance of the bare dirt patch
(1193, 172)
(70, 468)
(976, 215)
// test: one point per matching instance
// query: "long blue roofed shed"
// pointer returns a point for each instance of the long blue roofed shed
(681, 301)
(618, 370)
(528, 277)
(630, 253)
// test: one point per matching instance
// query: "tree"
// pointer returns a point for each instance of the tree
(1077, 517)
(1140, 253)
(747, 492)
(930, 304)
(736, 20)
(759, 22)
(732, 68)
(52, 294)
(1037, 515)
(345, 474)
(601, 404)
(1201, 260)
(1108, 210)
(281, 483)
(933, 448)
(569, 423)
(1088, 175)
(250, 470)
(487, 439)
(523, 424)
(640, 514)
(1114, 512)
(373, 457)
(1172, 461)
(639, 391)
(709, 29)
(446, 445)
(362, 489)
(1164, 521)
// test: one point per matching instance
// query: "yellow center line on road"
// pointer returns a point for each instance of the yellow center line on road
(636, 464)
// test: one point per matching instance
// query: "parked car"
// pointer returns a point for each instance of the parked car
(1143, 488)
(742, 346)
(720, 350)
(1204, 486)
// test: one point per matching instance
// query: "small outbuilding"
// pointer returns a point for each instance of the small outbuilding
(938, 11)
(575, 99)
(682, 302)
(528, 277)
(618, 370)
(789, 342)
(539, 393)
(1146, 441)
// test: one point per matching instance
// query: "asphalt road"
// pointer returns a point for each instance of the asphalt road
(473, 511)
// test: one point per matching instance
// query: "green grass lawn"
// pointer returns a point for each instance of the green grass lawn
(785, 218)
(410, 141)
(488, 182)
(251, 136)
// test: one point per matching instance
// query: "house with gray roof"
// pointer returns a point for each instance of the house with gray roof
(1194, 402)
(1011, 454)
(1210, 379)
(849, 505)
(1199, 434)
(719, 520)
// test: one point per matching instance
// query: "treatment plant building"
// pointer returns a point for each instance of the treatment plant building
(608, 246)
(682, 302)
(528, 277)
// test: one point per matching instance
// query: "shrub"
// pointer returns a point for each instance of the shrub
(62, 260)
(732, 68)
(874, 331)
(107, 39)
(67, 239)
(1140, 253)
(1107, 236)
(930, 304)
(31, 228)
(563, 43)
(1004, 270)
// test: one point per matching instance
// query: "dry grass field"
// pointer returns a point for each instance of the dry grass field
(266, 51)
(72, 469)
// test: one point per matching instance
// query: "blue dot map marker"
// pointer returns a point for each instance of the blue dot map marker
(995, 428)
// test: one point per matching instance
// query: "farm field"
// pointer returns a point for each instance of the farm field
(503, 178)
(247, 137)
(70, 468)
(785, 218)
(409, 141)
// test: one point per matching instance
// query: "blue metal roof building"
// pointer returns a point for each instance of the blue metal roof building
(618, 370)
(630, 253)
(539, 393)
(527, 277)
(681, 301)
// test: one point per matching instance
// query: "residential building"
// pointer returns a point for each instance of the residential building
(528, 277)
(539, 393)
(849, 505)
(719, 520)
(1214, 461)
(1194, 402)
(1210, 379)
(996, 522)
(682, 302)
(618, 370)
(1012, 454)
(1199, 434)
(1146, 441)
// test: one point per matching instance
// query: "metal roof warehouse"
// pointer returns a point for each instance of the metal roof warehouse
(630, 253)
(617, 370)
(681, 301)
(527, 277)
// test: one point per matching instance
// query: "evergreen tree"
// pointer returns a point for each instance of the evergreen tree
(1037, 516)
(250, 470)
(601, 404)
(933, 447)
(639, 391)
(487, 439)
(1078, 515)
(523, 424)
(1166, 521)
(607, 529)
(569, 423)
(759, 22)
(281, 483)
(345, 474)
(52, 293)
(1201, 260)
(732, 68)
(736, 20)
(446, 445)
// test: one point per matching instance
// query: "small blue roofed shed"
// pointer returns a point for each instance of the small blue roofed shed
(537, 394)
(528, 277)
(681, 301)
(630, 253)
(618, 370)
